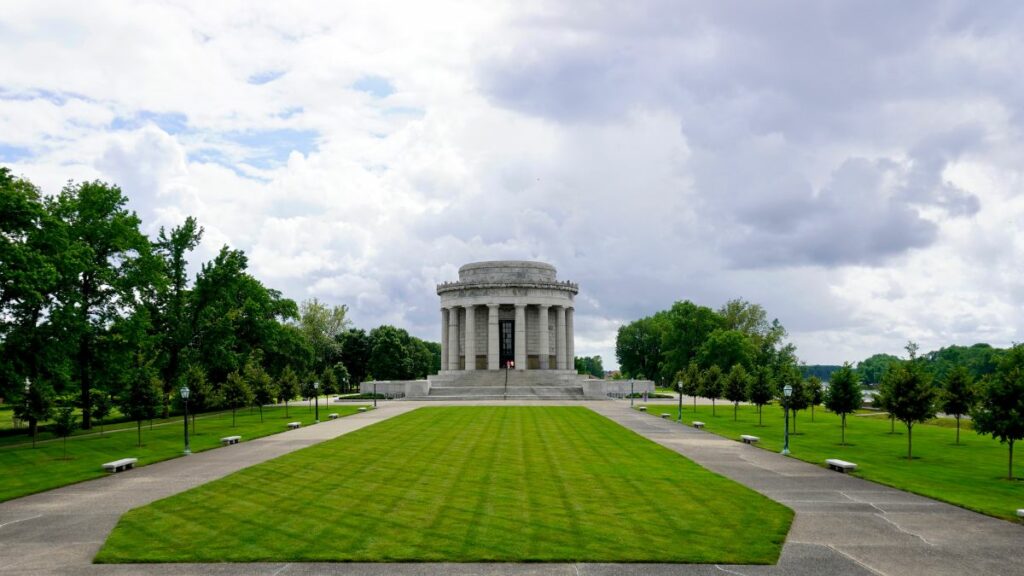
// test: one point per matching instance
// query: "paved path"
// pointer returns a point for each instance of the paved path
(843, 525)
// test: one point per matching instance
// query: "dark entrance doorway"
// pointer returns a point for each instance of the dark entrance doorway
(506, 342)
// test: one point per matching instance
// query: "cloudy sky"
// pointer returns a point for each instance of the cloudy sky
(855, 167)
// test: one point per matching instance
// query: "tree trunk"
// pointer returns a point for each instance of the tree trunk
(794, 421)
(193, 423)
(138, 427)
(957, 429)
(910, 442)
(812, 412)
(694, 403)
(285, 408)
(712, 406)
(735, 409)
(232, 417)
(759, 416)
(843, 433)
(1011, 461)
(33, 429)
(892, 424)
(65, 456)
(261, 413)
(84, 355)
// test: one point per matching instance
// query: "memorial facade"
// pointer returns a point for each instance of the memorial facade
(507, 313)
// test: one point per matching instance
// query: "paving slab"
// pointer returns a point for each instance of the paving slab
(844, 526)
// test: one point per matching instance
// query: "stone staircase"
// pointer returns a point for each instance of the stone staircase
(490, 385)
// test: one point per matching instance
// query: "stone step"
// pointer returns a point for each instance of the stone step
(519, 391)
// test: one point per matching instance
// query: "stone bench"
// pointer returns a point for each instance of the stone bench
(1020, 512)
(840, 465)
(229, 440)
(748, 439)
(698, 425)
(120, 465)
(642, 408)
(333, 416)
(294, 425)
(663, 415)
(362, 408)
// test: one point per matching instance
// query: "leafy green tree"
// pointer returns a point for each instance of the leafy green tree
(64, 425)
(844, 395)
(884, 396)
(689, 382)
(171, 309)
(341, 377)
(912, 397)
(726, 348)
(102, 404)
(355, 354)
(33, 252)
(673, 338)
(760, 390)
(873, 368)
(35, 405)
(711, 385)
(389, 354)
(736, 383)
(591, 365)
(264, 390)
(141, 395)
(958, 395)
(328, 382)
(638, 347)
(101, 271)
(236, 393)
(798, 397)
(288, 387)
(1000, 410)
(815, 393)
(202, 395)
(322, 324)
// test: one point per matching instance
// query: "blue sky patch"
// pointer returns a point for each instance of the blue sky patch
(265, 77)
(170, 122)
(376, 86)
(10, 153)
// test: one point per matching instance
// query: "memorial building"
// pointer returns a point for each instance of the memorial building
(506, 313)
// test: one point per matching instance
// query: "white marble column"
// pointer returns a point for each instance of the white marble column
(492, 336)
(560, 338)
(470, 337)
(570, 339)
(453, 338)
(444, 338)
(520, 343)
(545, 340)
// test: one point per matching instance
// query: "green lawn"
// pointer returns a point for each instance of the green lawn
(464, 484)
(972, 475)
(26, 470)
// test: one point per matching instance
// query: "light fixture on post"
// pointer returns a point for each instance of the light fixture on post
(787, 391)
(316, 399)
(184, 398)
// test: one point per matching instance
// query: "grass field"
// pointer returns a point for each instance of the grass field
(26, 470)
(463, 484)
(972, 474)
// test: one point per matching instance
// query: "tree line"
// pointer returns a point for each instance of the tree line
(979, 360)
(95, 313)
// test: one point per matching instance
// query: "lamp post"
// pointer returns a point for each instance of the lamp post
(316, 399)
(679, 387)
(184, 398)
(787, 391)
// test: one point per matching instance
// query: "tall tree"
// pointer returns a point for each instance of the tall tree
(102, 404)
(1000, 410)
(390, 357)
(104, 246)
(171, 304)
(264, 390)
(736, 387)
(958, 395)
(202, 395)
(34, 405)
(355, 353)
(322, 324)
(591, 365)
(844, 395)
(711, 385)
(681, 331)
(726, 348)
(638, 347)
(760, 390)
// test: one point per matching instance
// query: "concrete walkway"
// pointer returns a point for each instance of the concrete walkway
(843, 525)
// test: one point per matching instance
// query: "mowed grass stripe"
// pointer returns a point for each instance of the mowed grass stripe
(464, 484)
